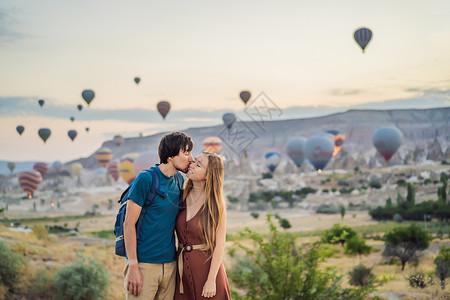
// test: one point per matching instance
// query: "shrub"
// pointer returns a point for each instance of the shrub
(398, 218)
(43, 285)
(285, 223)
(82, 280)
(356, 245)
(40, 232)
(375, 183)
(361, 276)
(12, 266)
(338, 234)
(255, 215)
(327, 209)
(420, 280)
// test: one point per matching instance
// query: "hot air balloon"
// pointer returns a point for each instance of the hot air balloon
(103, 156)
(57, 165)
(72, 119)
(80, 107)
(88, 96)
(87, 129)
(29, 182)
(41, 168)
(44, 133)
(362, 37)
(77, 168)
(387, 140)
(163, 108)
(272, 159)
(229, 119)
(319, 149)
(118, 140)
(145, 160)
(137, 80)
(245, 96)
(126, 167)
(11, 166)
(113, 169)
(338, 138)
(212, 144)
(20, 129)
(72, 134)
(295, 149)
(41, 102)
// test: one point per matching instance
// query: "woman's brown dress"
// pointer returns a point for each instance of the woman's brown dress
(196, 263)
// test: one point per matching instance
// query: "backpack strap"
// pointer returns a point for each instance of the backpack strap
(179, 178)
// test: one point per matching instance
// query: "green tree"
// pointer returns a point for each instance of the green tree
(361, 276)
(342, 211)
(442, 262)
(276, 269)
(285, 223)
(411, 195)
(82, 280)
(389, 202)
(287, 196)
(404, 242)
(357, 246)
(338, 234)
(399, 199)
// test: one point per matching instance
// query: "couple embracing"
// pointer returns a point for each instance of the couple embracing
(157, 267)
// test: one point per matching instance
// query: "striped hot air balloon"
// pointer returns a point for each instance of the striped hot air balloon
(272, 159)
(113, 169)
(163, 108)
(103, 156)
(29, 182)
(212, 144)
(362, 37)
(126, 167)
(41, 168)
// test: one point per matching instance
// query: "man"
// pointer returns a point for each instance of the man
(151, 266)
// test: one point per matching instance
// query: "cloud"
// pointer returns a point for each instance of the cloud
(344, 92)
(8, 31)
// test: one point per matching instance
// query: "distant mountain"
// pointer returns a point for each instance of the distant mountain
(419, 127)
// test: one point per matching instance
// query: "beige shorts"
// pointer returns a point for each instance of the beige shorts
(158, 281)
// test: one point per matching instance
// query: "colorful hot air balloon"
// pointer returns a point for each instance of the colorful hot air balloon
(77, 168)
(29, 182)
(113, 169)
(137, 80)
(11, 166)
(163, 108)
(229, 119)
(80, 107)
(72, 134)
(362, 37)
(118, 140)
(212, 144)
(272, 159)
(20, 129)
(145, 160)
(41, 168)
(338, 138)
(103, 156)
(88, 96)
(295, 149)
(319, 149)
(126, 167)
(44, 133)
(245, 96)
(72, 119)
(387, 140)
(41, 102)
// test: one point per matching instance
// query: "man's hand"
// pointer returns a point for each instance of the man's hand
(134, 284)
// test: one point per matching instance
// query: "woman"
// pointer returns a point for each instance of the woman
(201, 229)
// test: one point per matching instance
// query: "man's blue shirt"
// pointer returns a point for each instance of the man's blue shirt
(156, 242)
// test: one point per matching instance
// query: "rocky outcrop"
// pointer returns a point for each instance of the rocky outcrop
(435, 151)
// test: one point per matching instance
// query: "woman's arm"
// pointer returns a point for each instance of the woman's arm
(209, 289)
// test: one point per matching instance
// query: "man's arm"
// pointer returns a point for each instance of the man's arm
(134, 284)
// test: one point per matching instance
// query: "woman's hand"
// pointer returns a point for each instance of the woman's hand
(209, 289)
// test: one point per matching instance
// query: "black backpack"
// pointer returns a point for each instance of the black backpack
(120, 218)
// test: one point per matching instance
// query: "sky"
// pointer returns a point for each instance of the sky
(199, 55)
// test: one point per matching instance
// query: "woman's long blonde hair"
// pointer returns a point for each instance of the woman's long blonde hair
(212, 211)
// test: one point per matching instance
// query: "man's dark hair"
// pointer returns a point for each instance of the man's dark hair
(172, 143)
